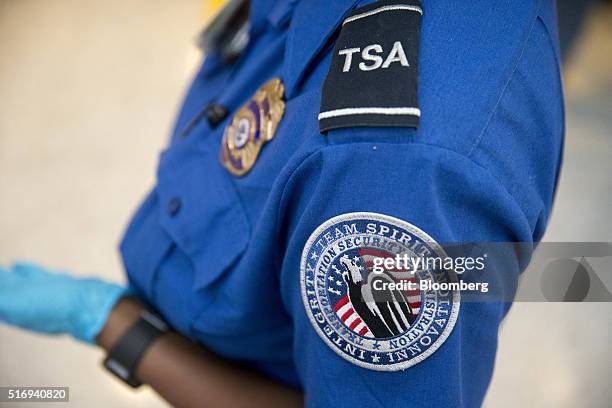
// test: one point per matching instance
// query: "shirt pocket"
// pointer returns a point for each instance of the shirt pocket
(200, 210)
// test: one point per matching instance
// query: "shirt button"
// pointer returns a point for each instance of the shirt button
(215, 114)
(173, 206)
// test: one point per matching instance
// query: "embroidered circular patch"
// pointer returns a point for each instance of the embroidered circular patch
(365, 303)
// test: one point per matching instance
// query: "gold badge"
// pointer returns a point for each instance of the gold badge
(251, 127)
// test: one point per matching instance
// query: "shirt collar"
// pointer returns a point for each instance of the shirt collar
(312, 25)
(274, 12)
(259, 10)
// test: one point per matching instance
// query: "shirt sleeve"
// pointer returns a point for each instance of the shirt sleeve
(432, 196)
(374, 192)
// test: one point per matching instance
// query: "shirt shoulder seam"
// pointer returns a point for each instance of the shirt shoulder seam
(495, 108)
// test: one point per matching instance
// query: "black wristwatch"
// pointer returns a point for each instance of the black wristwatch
(124, 357)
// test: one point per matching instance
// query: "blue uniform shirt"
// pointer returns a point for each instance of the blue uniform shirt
(230, 260)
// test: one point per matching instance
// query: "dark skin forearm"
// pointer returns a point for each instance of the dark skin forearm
(187, 375)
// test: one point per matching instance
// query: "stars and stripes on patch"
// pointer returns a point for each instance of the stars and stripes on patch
(412, 296)
(344, 308)
(346, 313)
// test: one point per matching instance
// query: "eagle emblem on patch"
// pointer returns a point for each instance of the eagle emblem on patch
(376, 318)
(251, 127)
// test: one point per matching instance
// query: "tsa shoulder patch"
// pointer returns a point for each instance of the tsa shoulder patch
(375, 315)
(373, 77)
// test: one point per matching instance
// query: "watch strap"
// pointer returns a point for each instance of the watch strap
(124, 357)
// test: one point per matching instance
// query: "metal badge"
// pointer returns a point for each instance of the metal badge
(251, 127)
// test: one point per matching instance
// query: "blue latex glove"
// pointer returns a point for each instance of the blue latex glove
(34, 298)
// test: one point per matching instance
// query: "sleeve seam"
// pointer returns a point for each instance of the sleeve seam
(470, 159)
(283, 194)
(308, 157)
(493, 112)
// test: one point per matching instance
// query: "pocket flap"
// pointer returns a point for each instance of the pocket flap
(201, 211)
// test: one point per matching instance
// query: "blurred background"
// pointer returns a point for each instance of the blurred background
(88, 93)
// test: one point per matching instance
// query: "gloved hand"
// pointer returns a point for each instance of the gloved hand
(34, 298)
